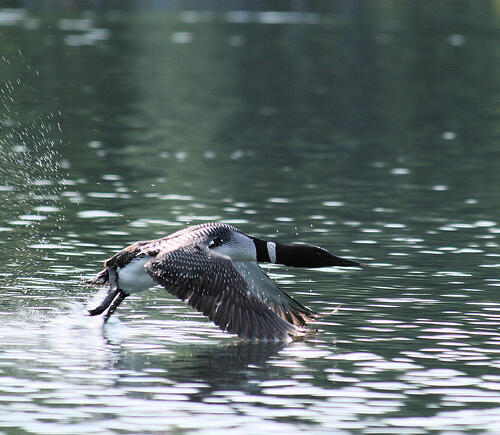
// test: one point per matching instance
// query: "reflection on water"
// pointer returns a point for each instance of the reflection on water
(65, 369)
(369, 129)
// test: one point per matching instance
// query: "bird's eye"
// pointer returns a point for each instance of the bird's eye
(217, 241)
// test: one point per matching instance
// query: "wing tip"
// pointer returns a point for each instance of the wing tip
(267, 326)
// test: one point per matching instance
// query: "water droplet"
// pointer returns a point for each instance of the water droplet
(449, 135)
(456, 40)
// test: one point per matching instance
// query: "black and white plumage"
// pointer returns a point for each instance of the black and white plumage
(213, 266)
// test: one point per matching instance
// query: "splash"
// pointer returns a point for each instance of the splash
(31, 169)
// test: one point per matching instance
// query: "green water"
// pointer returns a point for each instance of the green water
(368, 128)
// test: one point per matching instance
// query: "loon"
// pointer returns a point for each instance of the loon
(213, 266)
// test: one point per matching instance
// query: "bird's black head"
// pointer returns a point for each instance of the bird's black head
(310, 256)
(298, 255)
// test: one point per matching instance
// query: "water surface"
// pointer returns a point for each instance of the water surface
(369, 129)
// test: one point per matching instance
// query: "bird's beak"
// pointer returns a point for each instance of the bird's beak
(344, 262)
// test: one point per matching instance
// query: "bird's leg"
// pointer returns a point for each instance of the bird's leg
(112, 279)
(113, 291)
(104, 304)
(116, 303)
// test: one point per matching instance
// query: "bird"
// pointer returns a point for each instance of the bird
(214, 268)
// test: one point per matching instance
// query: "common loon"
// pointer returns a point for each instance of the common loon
(213, 266)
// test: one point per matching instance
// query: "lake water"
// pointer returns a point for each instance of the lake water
(368, 128)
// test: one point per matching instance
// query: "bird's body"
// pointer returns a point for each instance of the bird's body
(213, 266)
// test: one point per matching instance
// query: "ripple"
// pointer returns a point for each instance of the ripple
(279, 200)
(400, 171)
(414, 346)
(93, 214)
(182, 37)
(333, 203)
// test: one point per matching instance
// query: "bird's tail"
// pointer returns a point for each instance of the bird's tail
(102, 278)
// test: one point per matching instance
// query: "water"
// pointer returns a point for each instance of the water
(371, 131)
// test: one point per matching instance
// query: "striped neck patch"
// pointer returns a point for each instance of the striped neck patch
(271, 251)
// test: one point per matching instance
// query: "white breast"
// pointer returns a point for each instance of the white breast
(133, 277)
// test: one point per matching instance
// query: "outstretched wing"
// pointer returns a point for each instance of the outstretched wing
(213, 286)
